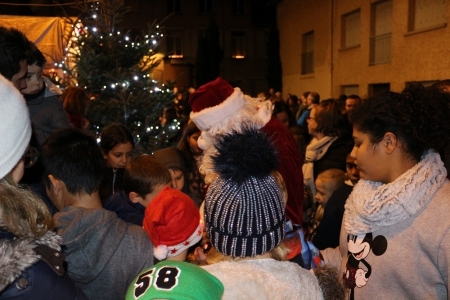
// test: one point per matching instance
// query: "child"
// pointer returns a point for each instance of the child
(144, 178)
(117, 144)
(175, 280)
(173, 159)
(46, 111)
(394, 240)
(327, 221)
(245, 220)
(173, 224)
(191, 153)
(103, 253)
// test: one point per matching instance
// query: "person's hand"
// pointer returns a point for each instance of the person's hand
(200, 256)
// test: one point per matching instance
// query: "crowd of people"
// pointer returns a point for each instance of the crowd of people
(257, 198)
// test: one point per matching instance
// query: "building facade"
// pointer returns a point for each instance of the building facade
(243, 40)
(362, 47)
(243, 25)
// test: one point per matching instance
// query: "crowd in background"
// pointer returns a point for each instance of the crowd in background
(243, 202)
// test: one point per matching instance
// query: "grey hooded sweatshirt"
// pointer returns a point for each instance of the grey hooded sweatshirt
(103, 253)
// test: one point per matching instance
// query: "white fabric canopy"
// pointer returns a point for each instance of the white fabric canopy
(50, 34)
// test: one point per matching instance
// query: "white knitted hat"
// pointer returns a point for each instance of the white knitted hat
(15, 126)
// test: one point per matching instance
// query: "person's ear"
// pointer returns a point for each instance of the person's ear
(134, 197)
(56, 184)
(390, 142)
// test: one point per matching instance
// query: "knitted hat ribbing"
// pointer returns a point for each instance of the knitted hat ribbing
(244, 209)
(15, 126)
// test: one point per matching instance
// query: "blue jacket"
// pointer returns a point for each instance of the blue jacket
(125, 209)
(32, 268)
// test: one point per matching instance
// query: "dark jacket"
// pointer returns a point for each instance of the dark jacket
(32, 268)
(126, 210)
(328, 231)
(335, 156)
(112, 182)
(46, 114)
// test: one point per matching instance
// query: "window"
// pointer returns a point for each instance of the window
(238, 44)
(174, 46)
(424, 83)
(350, 29)
(375, 89)
(205, 6)
(308, 53)
(238, 7)
(173, 6)
(426, 13)
(350, 90)
(381, 30)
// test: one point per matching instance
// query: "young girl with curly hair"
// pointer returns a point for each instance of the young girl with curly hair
(395, 241)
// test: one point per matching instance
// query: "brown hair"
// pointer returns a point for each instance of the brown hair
(75, 100)
(330, 120)
(143, 173)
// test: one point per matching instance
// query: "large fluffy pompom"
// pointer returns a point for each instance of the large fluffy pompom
(245, 154)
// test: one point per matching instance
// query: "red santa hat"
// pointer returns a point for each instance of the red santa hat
(172, 221)
(215, 101)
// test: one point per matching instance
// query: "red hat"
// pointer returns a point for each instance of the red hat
(172, 221)
(213, 102)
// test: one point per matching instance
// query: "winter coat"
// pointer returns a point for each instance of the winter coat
(46, 114)
(32, 268)
(265, 279)
(126, 210)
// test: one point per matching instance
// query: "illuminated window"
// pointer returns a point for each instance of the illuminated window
(426, 13)
(308, 53)
(350, 29)
(174, 45)
(238, 44)
(381, 32)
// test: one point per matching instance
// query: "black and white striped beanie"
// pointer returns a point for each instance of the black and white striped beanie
(244, 209)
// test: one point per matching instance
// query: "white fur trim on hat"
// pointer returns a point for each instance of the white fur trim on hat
(163, 251)
(207, 117)
(15, 126)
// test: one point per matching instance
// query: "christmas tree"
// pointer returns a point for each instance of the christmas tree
(115, 69)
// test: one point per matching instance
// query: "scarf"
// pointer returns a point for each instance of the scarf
(315, 151)
(373, 205)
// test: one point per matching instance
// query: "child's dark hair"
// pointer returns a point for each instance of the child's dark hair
(142, 173)
(74, 157)
(113, 135)
(13, 49)
(35, 56)
(419, 117)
